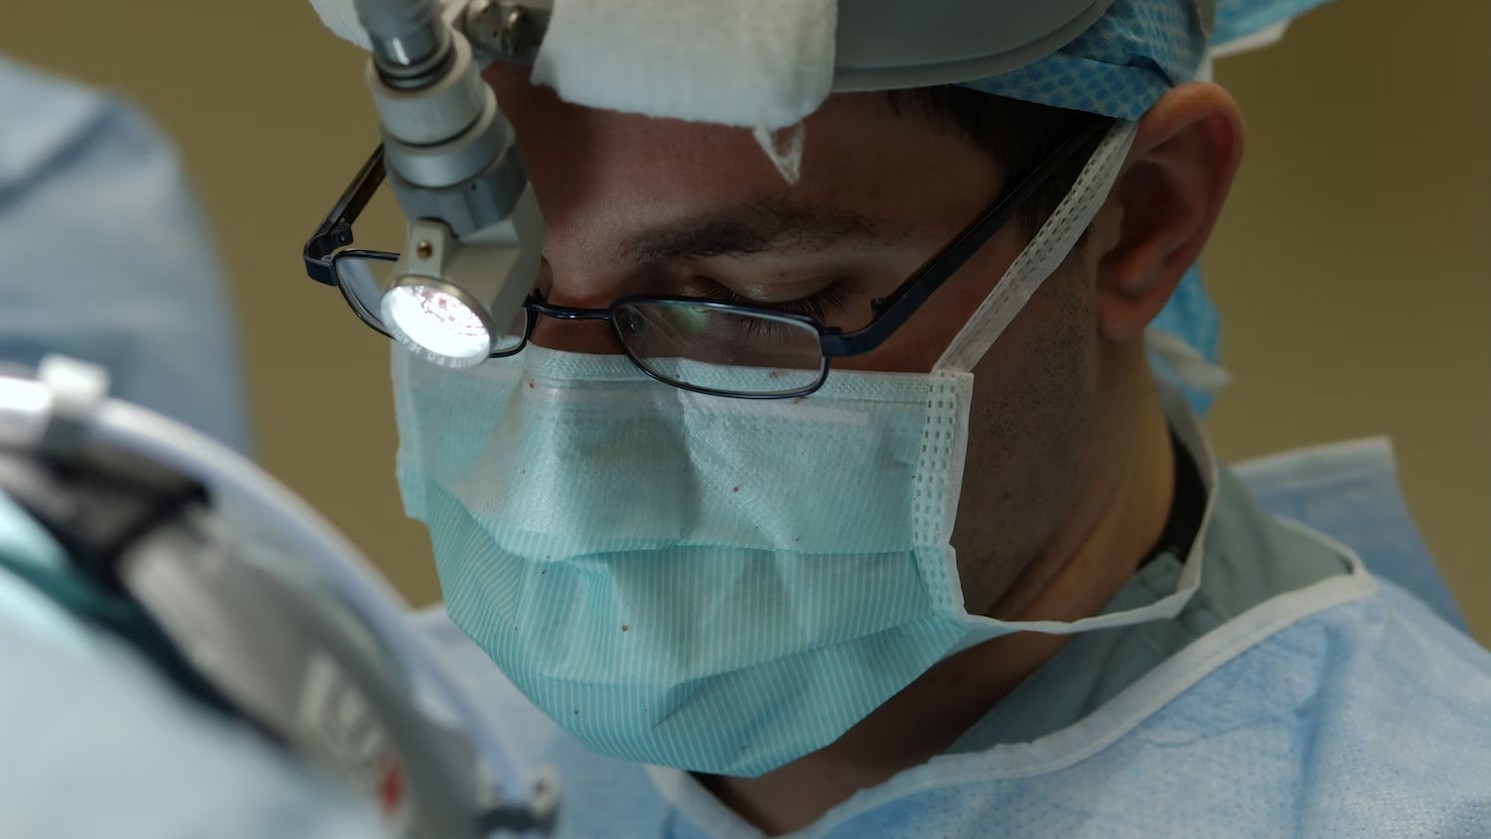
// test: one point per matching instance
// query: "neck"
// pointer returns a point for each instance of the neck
(1112, 528)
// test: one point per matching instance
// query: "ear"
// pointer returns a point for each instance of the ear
(1178, 173)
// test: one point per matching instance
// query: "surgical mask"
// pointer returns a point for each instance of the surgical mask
(720, 585)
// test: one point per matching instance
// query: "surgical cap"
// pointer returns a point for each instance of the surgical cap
(1135, 52)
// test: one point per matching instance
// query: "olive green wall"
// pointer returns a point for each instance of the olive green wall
(1351, 266)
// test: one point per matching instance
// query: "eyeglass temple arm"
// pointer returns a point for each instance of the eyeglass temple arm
(895, 310)
(336, 231)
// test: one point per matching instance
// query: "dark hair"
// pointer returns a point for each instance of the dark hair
(1015, 133)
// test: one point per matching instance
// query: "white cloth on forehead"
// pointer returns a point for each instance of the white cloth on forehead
(763, 64)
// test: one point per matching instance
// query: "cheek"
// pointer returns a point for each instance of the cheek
(1040, 371)
(1033, 397)
(1032, 388)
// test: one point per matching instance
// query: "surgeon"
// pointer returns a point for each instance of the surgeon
(855, 509)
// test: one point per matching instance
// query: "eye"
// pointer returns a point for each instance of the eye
(817, 305)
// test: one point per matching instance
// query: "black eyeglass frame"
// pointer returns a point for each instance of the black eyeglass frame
(330, 240)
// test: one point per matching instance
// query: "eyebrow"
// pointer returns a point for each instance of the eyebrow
(754, 229)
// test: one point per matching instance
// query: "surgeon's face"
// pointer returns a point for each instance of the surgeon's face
(635, 205)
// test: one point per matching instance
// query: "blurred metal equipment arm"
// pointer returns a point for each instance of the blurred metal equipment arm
(247, 601)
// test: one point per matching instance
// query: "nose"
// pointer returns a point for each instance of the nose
(579, 336)
(595, 337)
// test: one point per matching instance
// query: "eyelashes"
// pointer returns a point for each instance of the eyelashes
(818, 305)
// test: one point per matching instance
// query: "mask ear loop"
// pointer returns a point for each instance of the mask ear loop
(1042, 256)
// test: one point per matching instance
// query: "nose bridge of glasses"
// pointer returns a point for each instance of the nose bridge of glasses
(573, 329)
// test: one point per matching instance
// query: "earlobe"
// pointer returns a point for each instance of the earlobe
(1168, 197)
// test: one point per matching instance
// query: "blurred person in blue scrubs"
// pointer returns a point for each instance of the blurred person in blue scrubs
(105, 256)
(984, 579)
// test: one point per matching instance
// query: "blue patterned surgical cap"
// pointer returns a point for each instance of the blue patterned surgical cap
(1134, 53)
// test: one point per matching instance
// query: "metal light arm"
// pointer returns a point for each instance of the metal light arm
(458, 177)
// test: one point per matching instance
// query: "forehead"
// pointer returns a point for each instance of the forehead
(596, 170)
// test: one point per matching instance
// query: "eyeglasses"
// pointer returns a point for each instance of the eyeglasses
(707, 346)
